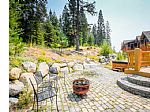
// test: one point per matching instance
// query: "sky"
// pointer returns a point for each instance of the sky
(127, 18)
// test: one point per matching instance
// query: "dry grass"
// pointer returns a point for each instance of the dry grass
(54, 55)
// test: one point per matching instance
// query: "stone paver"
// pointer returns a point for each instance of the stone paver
(104, 95)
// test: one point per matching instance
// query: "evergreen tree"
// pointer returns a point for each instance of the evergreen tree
(91, 40)
(50, 36)
(28, 20)
(94, 34)
(15, 42)
(60, 23)
(34, 13)
(67, 28)
(108, 31)
(54, 20)
(100, 29)
(14, 16)
(39, 20)
(83, 26)
(72, 13)
(90, 8)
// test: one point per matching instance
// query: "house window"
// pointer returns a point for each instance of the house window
(145, 41)
(132, 46)
(135, 45)
(128, 44)
(142, 41)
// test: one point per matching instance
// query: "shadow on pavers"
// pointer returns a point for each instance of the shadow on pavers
(76, 98)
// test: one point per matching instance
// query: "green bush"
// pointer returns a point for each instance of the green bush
(105, 49)
(15, 61)
(43, 59)
(121, 56)
(16, 46)
(25, 98)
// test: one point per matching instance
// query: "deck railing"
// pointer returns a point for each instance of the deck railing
(138, 58)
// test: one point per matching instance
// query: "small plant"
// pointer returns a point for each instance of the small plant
(93, 57)
(16, 46)
(43, 53)
(25, 98)
(43, 59)
(121, 56)
(105, 49)
(15, 61)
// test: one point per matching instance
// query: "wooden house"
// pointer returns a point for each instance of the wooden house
(145, 41)
(142, 42)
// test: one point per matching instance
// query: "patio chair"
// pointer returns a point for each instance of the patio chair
(44, 89)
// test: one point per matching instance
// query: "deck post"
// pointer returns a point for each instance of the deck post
(137, 59)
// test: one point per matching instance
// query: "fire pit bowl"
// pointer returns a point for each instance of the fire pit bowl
(81, 86)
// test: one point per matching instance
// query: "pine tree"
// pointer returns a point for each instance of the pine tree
(60, 23)
(28, 20)
(14, 16)
(91, 40)
(34, 14)
(54, 20)
(72, 13)
(100, 29)
(67, 28)
(90, 8)
(83, 26)
(39, 20)
(108, 31)
(49, 33)
(15, 41)
(94, 34)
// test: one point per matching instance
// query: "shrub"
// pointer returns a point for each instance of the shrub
(93, 57)
(43, 59)
(16, 46)
(15, 61)
(121, 56)
(105, 49)
(25, 98)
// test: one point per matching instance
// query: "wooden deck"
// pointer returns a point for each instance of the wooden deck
(138, 62)
(145, 71)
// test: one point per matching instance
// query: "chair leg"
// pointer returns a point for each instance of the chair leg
(37, 106)
(57, 104)
(33, 103)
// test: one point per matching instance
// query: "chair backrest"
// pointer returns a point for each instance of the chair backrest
(38, 77)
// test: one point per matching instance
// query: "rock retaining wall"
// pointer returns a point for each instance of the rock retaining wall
(18, 79)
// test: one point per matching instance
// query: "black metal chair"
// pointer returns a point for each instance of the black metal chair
(44, 89)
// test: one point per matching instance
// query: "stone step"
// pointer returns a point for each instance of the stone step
(133, 88)
(139, 80)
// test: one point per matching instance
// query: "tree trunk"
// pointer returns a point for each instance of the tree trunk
(77, 24)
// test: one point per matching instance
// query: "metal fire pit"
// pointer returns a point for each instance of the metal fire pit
(81, 86)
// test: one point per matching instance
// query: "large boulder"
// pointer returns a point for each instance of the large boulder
(44, 68)
(29, 66)
(55, 68)
(13, 102)
(61, 65)
(15, 73)
(50, 64)
(70, 70)
(64, 71)
(71, 64)
(78, 67)
(25, 78)
(15, 87)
